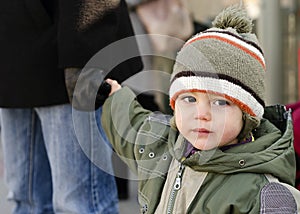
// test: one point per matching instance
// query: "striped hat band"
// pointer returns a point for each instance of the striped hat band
(231, 89)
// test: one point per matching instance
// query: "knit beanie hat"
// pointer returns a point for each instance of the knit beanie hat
(225, 59)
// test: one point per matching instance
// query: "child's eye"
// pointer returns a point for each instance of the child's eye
(189, 99)
(221, 102)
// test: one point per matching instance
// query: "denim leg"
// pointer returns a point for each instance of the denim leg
(27, 170)
(79, 186)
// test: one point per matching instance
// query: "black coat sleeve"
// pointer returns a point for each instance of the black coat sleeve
(86, 28)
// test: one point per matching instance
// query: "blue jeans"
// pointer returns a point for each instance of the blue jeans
(57, 161)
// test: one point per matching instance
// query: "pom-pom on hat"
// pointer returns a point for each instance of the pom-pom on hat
(225, 59)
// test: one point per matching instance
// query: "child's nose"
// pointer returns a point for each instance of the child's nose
(203, 111)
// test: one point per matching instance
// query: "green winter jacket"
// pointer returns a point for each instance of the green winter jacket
(213, 181)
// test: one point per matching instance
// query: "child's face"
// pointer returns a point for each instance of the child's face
(207, 120)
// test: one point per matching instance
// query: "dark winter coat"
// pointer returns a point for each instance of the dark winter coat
(39, 38)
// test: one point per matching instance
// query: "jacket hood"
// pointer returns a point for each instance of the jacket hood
(272, 152)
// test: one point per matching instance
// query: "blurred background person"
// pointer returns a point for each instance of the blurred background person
(44, 45)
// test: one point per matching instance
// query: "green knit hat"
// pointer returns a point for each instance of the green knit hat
(225, 59)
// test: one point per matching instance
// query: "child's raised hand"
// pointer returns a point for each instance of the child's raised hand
(115, 86)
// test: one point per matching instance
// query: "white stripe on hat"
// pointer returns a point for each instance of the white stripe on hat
(220, 86)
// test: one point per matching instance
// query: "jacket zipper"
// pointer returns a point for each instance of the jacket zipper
(176, 187)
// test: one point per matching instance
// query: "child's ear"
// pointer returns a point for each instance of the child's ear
(250, 123)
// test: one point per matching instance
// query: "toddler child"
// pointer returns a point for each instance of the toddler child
(221, 150)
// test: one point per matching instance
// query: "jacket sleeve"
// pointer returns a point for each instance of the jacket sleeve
(140, 137)
(82, 26)
(97, 34)
(121, 119)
